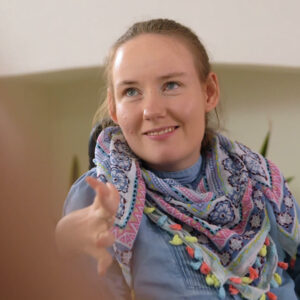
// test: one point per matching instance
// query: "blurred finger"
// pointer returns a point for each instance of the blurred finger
(110, 222)
(95, 251)
(105, 239)
(104, 218)
(112, 203)
(93, 182)
(104, 261)
(100, 190)
(107, 196)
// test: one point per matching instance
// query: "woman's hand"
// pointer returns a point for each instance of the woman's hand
(88, 230)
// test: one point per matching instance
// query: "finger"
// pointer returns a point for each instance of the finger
(104, 261)
(95, 251)
(100, 190)
(93, 182)
(112, 202)
(105, 239)
(104, 219)
(110, 222)
(107, 196)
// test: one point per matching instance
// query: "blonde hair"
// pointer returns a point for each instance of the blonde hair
(165, 27)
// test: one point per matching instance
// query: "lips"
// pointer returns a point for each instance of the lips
(160, 131)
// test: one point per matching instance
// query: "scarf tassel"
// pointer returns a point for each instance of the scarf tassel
(222, 293)
(205, 269)
(190, 251)
(271, 296)
(263, 297)
(162, 220)
(177, 227)
(233, 290)
(292, 263)
(211, 279)
(176, 241)
(283, 265)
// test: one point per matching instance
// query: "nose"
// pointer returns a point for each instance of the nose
(154, 106)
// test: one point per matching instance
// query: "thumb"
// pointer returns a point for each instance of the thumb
(98, 187)
(112, 202)
(107, 196)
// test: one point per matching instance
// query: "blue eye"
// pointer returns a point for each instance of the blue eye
(131, 92)
(172, 85)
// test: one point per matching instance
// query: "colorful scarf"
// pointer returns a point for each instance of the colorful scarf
(224, 223)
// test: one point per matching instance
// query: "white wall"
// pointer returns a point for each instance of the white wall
(61, 34)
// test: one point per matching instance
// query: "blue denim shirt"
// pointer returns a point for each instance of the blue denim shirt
(160, 270)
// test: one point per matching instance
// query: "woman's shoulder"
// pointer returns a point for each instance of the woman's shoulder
(81, 194)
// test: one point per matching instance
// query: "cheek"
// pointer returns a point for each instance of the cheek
(193, 110)
(125, 119)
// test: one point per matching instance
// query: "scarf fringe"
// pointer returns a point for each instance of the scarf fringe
(234, 285)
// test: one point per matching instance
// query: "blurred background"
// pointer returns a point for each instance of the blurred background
(51, 56)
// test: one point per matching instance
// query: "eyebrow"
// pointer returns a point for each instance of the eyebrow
(171, 75)
(163, 77)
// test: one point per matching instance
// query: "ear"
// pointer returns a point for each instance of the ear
(111, 106)
(212, 92)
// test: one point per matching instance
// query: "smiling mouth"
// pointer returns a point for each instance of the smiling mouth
(161, 131)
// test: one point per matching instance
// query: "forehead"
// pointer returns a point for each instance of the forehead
(151, 55)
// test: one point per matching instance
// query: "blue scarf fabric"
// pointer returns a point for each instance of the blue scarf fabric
(223, 222)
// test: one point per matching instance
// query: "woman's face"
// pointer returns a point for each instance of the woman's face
(159, 101)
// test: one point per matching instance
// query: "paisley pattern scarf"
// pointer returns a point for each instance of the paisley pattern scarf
(223, 223)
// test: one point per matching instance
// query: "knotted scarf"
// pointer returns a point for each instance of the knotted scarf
(223, 223)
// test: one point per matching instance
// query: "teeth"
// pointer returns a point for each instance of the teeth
(161, 131)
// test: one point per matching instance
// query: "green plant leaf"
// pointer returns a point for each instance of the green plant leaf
(289, 179)
(264, 148)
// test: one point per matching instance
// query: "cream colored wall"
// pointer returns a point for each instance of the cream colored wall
(73, 103)
(49, 114)
(56, 110)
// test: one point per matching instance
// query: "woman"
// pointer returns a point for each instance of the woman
(184, 212)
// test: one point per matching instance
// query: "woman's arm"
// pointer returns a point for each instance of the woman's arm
(88, 230)
(84, 233)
